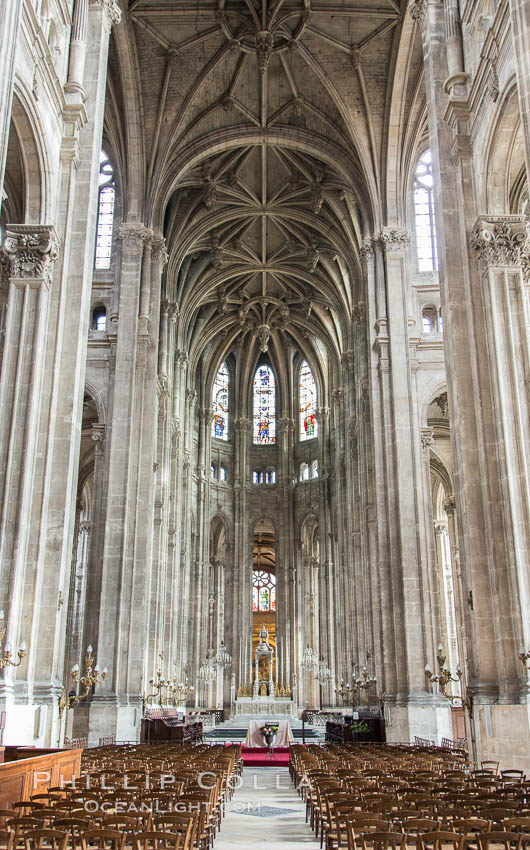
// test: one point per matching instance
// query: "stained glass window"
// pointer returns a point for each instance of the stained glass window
(426, 246)
(264, 406)
(263, 591)
(220, 404)
(308, 402)
(105, 223)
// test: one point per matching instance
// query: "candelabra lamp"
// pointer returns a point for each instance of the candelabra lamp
(93, 676)
(362, 682)
(181, 690)
(6, 653)
(158, 682)
(524, 655)
(444, 676)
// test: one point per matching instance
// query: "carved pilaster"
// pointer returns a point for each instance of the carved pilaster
(98, 437)
(417, 10)
(502, 241)
(31, 251)
(160, 253)
(395, 240)
(111, 9)
(427, 441)
(243, 424)
(132, 237)
(367, 249)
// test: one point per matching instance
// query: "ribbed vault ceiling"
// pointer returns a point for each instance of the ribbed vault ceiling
(263, 132)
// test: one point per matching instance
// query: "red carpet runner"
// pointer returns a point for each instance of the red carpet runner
(263, 757)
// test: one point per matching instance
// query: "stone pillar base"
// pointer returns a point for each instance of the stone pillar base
(104, 718)
(27, 726)
(425, 718)
(502, 733)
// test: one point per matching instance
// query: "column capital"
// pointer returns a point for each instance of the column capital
(111, 9)
(395, 240)
(159, 249)
(242, 424)
(427, 440)
(285, 424)
(133, 237)
(98, 436)
(367, 249)
(31, 250)
(417, 10)
(502, 241)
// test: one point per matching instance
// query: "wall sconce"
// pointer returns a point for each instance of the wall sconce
(7, 652)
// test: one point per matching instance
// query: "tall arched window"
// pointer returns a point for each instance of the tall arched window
(264, 406)
(107, 195)
(308, 401)
(220, 403)
(263, 591)
(426, 246)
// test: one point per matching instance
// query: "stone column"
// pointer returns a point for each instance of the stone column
(411, 602)
(122, 612)
(31, 251)
(483, 342)
(242, 559)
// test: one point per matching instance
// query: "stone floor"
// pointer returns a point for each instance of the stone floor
(265, 810)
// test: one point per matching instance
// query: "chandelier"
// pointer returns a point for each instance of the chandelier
(223, 657)
(322, 672)
(309, 657)
(207, 670)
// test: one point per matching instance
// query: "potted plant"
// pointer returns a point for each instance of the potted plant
(359, 729)
(268, 731)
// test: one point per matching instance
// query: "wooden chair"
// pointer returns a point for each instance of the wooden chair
(74, 827)
(54, 839)
(6, 839)
(517, 824)
(439, 840)
(415, 826)
(383, 840)
(22, 824)
(102, 839)
(157, 841)
(497, 839)
(183, 823)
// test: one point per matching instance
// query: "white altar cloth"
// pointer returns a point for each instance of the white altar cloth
(283, 737)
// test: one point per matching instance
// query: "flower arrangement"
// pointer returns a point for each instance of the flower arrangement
(269, 729)
(360, 726)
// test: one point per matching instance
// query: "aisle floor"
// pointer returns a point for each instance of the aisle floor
(265, 810)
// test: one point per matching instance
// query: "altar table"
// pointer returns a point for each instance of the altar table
(282, 738)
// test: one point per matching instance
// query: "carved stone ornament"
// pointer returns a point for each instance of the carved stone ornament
(395, 239)
(31, 251)
(111, 9)
(417, 10)
(367, 249)
(160, 252)
(502, 241)
(264, 45)
(132, 237)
